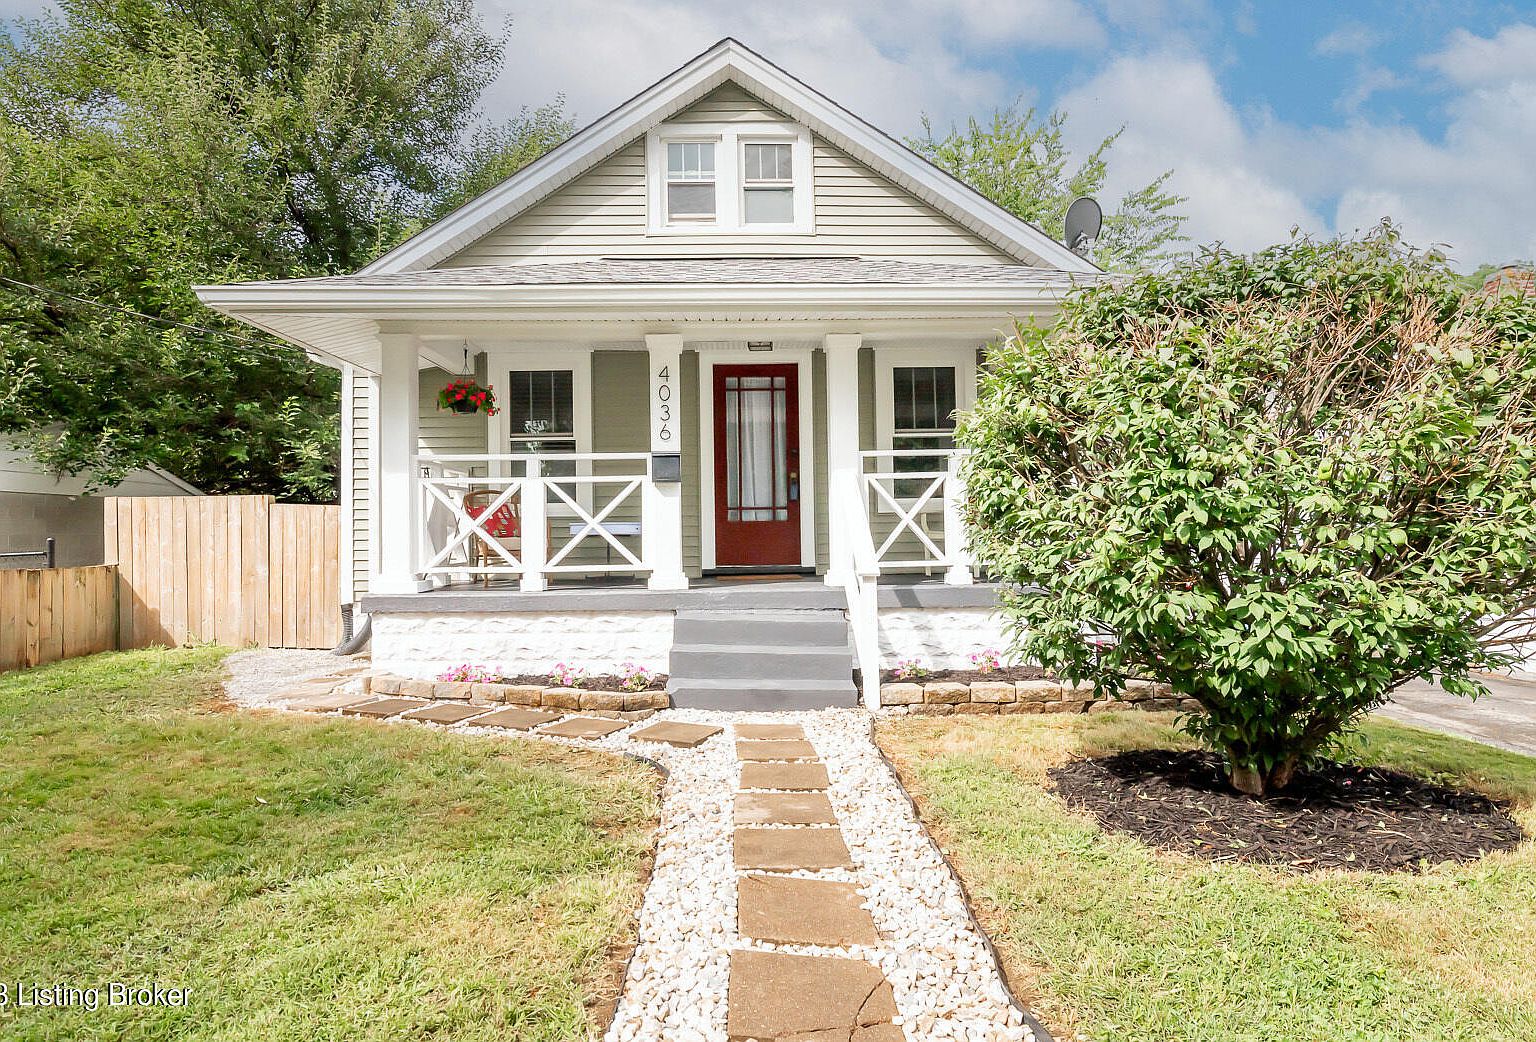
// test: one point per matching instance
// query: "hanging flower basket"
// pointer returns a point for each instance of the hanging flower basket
(467, 396)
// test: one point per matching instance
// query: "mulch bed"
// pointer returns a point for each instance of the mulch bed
(599, 682)
(1001, 675)
(1334, 816)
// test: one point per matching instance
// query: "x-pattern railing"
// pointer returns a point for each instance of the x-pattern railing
(936, 480)
(449, 543)
(468, 526)
(906, 514)
(593, 522)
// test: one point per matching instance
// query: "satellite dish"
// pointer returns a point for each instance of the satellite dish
(1084, 219)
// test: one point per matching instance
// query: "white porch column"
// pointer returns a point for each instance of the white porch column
(661, 521)
(399, 503)
(844, 469)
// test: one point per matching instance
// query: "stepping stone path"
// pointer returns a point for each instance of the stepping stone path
(791, 777)
(584, 727)
(770, 749)
(684, 736)
(516, 719)
(794, 897)
(327, 702)
(383, 707)
(444, 713)
(777, 995)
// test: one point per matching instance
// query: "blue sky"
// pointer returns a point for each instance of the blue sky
(1325, 116)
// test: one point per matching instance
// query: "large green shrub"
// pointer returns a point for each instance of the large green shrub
(1283, 483)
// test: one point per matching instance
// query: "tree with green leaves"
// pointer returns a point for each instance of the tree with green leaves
(1022, 164)
(147, 146)
(1283, 483)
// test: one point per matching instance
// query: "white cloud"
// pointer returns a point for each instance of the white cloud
(1251, 177)
(1349, 38)
(1471, 60)
(1175, 117)
(887, 61)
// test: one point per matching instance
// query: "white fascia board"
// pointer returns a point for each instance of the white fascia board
(244, 302)
(728, 60)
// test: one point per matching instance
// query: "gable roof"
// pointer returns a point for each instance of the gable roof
(730, 60)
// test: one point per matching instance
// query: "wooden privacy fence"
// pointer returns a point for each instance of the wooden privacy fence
(232, 569)
(47, 614)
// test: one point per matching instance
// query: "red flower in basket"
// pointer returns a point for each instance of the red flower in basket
(466, 396)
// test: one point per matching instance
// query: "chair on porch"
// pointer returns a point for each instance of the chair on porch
(503, 525)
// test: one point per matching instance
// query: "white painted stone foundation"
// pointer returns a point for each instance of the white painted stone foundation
(424, 644)
(944, 637)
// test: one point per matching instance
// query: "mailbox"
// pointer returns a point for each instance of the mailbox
(666, 467)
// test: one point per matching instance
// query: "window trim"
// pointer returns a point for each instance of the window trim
(730, 140)
(887, 359)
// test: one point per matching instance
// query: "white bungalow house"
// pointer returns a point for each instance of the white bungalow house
(728, 326)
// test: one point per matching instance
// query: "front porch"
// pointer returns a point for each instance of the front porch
(623, 477)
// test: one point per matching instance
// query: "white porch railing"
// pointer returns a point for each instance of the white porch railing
(559, 515)
(896, 514)
(909, 501)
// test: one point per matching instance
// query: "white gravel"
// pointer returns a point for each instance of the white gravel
(257, 674)
(944, 982)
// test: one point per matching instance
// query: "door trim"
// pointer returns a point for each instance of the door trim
(708, 359)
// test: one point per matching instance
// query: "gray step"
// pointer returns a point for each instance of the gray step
(763, 694)
(782, 627)
(828, 662)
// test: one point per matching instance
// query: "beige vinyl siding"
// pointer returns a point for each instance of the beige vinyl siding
(729, 103)
(444, 432)
(602, 213)
(693, 538)
(819, 440)
(358, 500)
(620, 423)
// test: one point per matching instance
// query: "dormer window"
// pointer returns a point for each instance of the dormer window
(690, 181)
(742, 178)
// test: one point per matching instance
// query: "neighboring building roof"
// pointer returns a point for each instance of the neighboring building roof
(730, 60)
(20, 472)
(785, 271)
(1513, 279)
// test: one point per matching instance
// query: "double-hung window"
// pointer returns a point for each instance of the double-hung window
(691, 181)
(923, 420)
(768, 183)
(730, 179)
(541, 416)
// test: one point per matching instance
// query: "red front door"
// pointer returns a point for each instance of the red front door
(757, 466)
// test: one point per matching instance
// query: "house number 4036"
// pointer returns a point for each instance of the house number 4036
(664, 403)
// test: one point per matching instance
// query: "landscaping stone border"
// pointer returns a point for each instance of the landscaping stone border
(982, 697)
(619, 705)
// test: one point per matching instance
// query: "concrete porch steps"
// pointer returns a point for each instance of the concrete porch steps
(761, 659)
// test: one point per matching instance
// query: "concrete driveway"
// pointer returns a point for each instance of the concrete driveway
(1506, 717)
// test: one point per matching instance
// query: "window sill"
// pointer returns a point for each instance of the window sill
(702, 229)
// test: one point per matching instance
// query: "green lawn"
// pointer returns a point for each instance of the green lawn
(306, 879)
(1112, 940)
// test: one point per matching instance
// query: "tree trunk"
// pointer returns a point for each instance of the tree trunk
(1250, 781)
(1247, 780)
